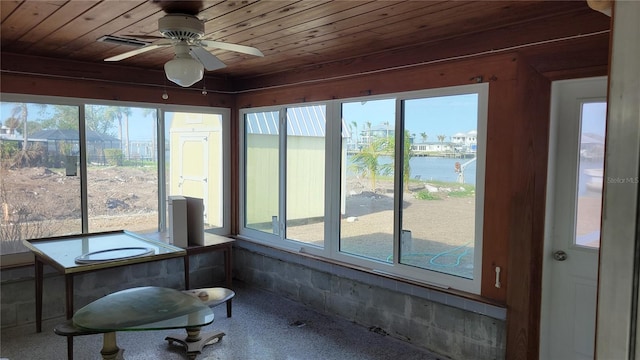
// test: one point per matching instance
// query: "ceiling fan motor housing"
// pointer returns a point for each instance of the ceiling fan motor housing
(181, 27)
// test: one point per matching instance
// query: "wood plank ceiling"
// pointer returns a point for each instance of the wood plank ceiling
(305, 36)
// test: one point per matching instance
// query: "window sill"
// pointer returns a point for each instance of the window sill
(15, 260)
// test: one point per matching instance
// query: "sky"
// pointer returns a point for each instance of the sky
(140, 124)
(594, 115)
(444, 115)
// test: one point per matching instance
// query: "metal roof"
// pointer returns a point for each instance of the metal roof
(301, 121)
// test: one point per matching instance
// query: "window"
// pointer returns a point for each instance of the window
(262, 172)
(70, 167)
(122, 168)
(195, 162)
(401, 177)
(593, 116)
(304, 173)
(366, 228)
(442, 214)
(39, 182)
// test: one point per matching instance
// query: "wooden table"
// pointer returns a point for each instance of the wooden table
(61, 253)
(212, 242)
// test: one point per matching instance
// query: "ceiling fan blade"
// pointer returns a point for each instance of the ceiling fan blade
(232, 47)
(141, 50)
(142, 36)
(210, 61)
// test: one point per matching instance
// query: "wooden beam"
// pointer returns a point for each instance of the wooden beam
(117, 75)
(526, 198)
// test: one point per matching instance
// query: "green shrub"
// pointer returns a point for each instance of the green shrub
(463, 190)
(113, 156)
(426, 195)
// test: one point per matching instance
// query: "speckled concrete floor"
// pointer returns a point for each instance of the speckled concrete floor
(264, 326)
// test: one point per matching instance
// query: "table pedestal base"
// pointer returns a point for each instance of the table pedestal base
(110, 350)
(194, 342)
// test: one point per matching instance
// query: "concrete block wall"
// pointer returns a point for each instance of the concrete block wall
(17, 285)
(445, 324)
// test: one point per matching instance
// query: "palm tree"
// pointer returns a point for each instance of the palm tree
(407, 154)
(441, 138)
(354, 124)
(122, 115)
(19, 117)
(367, 131)
(365, 162)
(424, 137)
(20, 113)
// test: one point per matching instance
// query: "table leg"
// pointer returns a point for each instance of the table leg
(227, 272)
(39, 275)
(68, 284)
(228, 266)
(186, 271)
(110, 349)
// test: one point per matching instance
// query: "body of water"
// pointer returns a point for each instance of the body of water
(438, 169)
(442, 169)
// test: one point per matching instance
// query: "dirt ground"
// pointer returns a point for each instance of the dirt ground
(441, 231)
(118, 198)
(126, 198)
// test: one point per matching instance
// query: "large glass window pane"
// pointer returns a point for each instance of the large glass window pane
(590, 177)
(262, 166)
(194, 162)
(439, 210)
(39, 175)
(122, 168)
(305, 173)
(366, 226)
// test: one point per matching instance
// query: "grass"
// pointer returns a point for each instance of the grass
(446, 189)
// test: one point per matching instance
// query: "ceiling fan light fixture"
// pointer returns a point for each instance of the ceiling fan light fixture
(184, 71)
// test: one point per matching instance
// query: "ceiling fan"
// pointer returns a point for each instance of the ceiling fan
(184, 32)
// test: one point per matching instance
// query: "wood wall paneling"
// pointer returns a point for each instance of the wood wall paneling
(78, 88)
(87, 80)
(498, 181)
(528, 169)
(406, 79)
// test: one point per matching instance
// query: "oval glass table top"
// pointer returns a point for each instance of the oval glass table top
(62, 251)
(144, 308)
(113, 254)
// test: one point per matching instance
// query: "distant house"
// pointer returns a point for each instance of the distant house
(65, 142)
(431, 147)
(465, 142)
(7, 132)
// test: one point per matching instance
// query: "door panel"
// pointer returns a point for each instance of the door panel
(572, 234)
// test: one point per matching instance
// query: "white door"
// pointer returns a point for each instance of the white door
(572, 230)
(193, 152)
